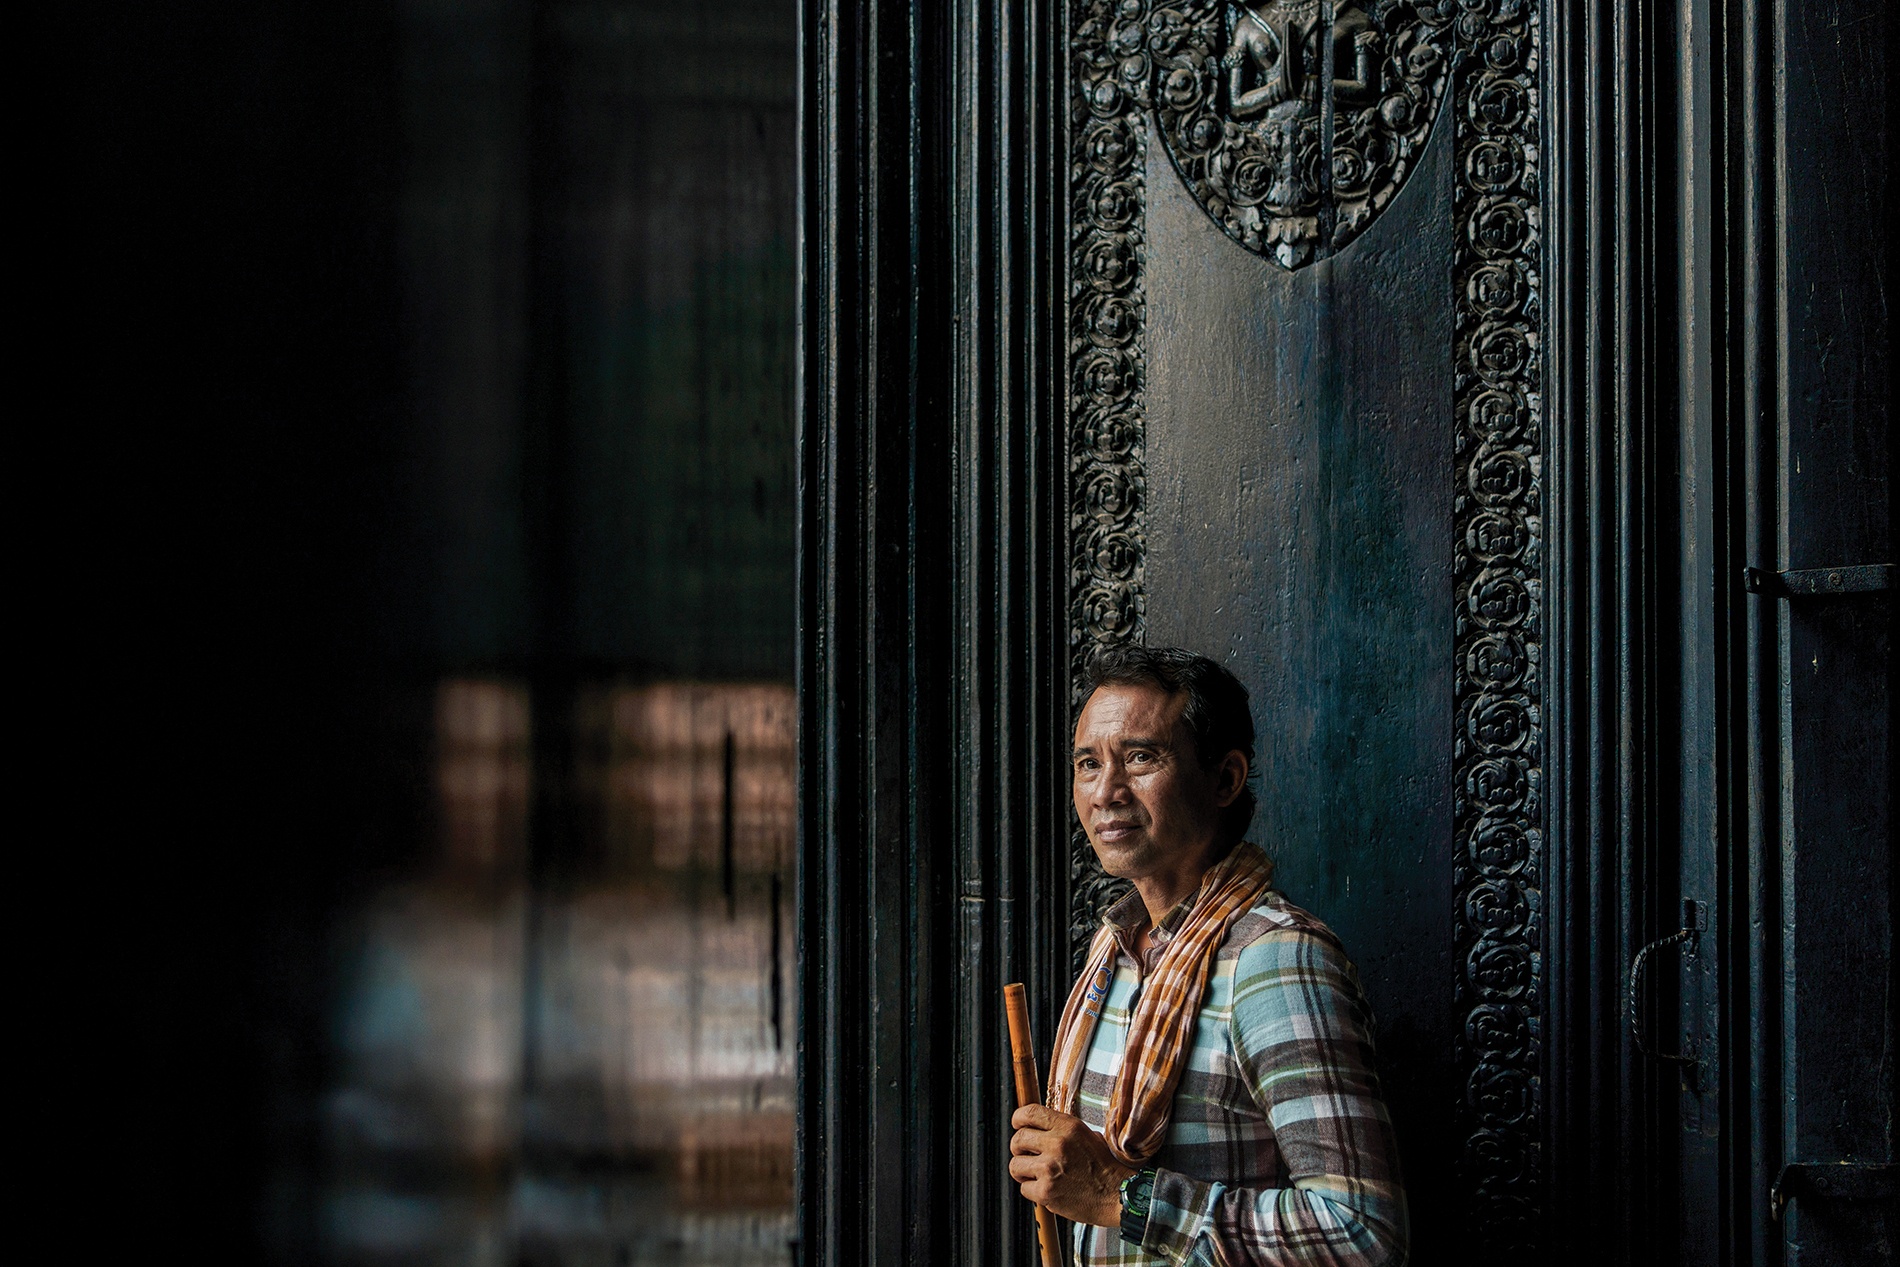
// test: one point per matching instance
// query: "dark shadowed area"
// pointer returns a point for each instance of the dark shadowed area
(463, 333)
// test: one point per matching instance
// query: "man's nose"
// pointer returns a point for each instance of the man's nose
(1112, 787)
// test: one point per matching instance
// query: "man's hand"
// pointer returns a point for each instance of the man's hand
(1063, 1165)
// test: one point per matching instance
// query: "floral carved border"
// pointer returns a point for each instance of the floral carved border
(1111, 78)
(1499, 529)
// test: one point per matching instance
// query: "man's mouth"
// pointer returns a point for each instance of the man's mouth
(1113, 832)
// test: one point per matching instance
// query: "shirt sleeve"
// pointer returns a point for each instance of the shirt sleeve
(1302, 1033)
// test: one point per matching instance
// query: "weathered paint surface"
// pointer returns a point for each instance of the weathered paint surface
(1299, 521)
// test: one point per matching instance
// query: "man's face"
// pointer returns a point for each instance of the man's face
(1145, 801)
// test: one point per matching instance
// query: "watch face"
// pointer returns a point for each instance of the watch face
(1137, 1191)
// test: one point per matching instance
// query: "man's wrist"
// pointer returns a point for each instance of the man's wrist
(1107, 1211)
(1137, 1198)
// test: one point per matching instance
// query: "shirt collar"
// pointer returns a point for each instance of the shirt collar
(1129, 915)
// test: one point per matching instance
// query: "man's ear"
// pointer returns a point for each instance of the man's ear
(1230, 776)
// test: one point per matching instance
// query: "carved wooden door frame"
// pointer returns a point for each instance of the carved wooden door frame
(1495, 112)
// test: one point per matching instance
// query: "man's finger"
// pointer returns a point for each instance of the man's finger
(1028, 1142)
(1040, 1116)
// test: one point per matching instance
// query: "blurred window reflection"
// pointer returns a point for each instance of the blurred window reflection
(596, 1071)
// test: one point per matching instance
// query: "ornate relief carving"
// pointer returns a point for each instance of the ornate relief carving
(1499, 808)
(1108, 130)
(1294, 122)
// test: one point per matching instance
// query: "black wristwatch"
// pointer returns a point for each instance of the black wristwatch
(1138, 1193)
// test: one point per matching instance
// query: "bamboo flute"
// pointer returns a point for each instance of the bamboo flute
(1029, 1091)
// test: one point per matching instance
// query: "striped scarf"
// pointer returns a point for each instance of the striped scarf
(1162, 1027)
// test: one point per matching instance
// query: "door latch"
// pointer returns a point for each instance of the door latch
(1865, 578)
(1839, 1181)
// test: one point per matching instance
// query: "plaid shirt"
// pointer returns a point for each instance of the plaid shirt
(1279, 1149)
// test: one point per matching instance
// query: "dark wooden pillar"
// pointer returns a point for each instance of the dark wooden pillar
(932, 673)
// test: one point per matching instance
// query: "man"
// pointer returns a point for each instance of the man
(1212, 1096)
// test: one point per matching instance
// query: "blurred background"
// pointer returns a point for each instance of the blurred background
(441, 356)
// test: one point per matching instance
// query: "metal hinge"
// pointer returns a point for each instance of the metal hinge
(1865, 578)
(1837, 1181)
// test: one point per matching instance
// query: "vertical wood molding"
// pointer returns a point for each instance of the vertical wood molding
(1009, 685)
(933, 674)
(873, 865)
(1623, 766)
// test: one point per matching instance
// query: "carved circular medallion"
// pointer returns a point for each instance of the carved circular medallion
(1495, 1031)
(1500, 1094)
(1496, 661)
(1500, 1154)
(1294, 122)
(1500, 970)
(1500, 846)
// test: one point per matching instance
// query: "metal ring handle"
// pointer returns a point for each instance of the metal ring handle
(1687, 933)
